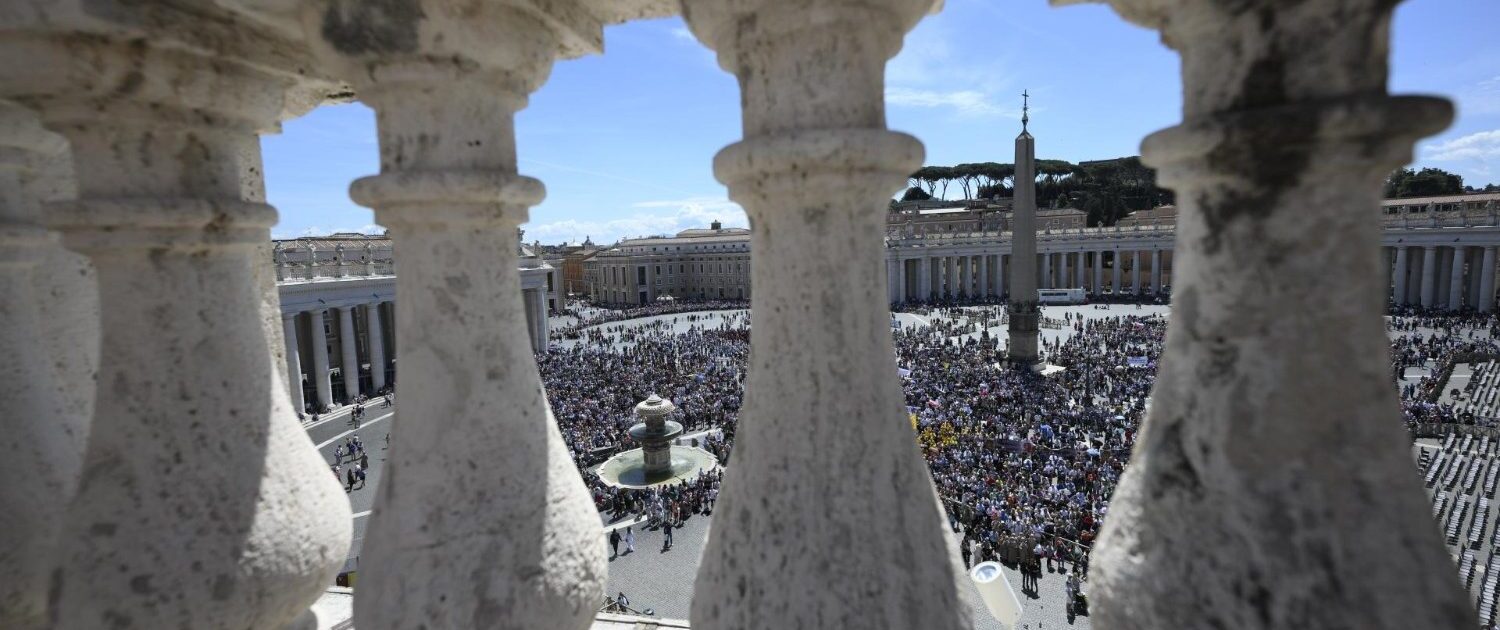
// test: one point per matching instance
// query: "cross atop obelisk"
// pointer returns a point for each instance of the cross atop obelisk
(1025, 109)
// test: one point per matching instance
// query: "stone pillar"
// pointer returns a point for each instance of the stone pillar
(1081, 280)
(46, 399)
(349, 356)
(539, 320)
(1487, 281)
(318, 326)
(376, 334)
(1445, 276)
(1063, 277)
(1473, 259)
(446, 90)
(965, 276)
(1098, 272)
(901, 291)
(1046, 270)
(1429, 275)
(1398, 295)
(924, 278)
(1119, 264)
(950, 286)
(1000, 287)
(293, 362)
(1156, 271)
(202, 503)
(1414, 280)
(1456, 279)
(986, 285)
(1249, 488)
(1135, 272)
(812, 83)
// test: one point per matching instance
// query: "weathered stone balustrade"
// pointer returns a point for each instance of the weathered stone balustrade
(1270, 488)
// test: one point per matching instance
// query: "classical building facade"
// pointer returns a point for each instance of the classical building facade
(1427, 243)
(712, 263)
(1272, 483)
(338, 311)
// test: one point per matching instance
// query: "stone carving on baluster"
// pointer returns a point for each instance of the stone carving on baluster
(1272, 484)
(202, 504)
(483, 520)
(50, 315)
(801, 540)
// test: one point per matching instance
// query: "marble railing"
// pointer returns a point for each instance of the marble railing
(186, 495)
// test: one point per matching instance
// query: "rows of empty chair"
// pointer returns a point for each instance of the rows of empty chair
(1481, 396)
(1462, 474)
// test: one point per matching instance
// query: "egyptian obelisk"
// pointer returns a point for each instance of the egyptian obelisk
(1022, 306)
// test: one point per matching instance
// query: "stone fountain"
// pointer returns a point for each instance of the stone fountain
(658, 461)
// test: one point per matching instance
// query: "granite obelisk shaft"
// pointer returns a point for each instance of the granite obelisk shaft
(1022, 306)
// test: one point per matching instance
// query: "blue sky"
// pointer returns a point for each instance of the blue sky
(624, 141)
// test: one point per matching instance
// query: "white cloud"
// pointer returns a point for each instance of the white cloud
(931, 73)
(970, 102)
(647, 218)
(1475, 146)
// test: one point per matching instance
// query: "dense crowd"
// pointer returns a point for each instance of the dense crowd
(1437, 341)
(595, 383)
(1026, 463)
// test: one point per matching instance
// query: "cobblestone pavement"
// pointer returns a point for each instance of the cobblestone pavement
(663, 581)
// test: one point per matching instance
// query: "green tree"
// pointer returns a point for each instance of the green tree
(1428, 182)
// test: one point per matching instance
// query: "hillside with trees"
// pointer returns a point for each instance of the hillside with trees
(1107, 190)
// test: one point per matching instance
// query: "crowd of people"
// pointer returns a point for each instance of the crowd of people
(1025, 464)
(359, 463)
(595, 383)
(1437, 341)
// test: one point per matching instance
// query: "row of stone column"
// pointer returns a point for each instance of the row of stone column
(350, 360)
(983, 275)
(1442, 276)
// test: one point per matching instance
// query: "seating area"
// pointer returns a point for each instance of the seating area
(1461, 473)
(1481, 395)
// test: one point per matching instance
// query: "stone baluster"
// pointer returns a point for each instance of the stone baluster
(802, 542)
(201, 504)
(482, 520)
(1272, 486)
(49, 341)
